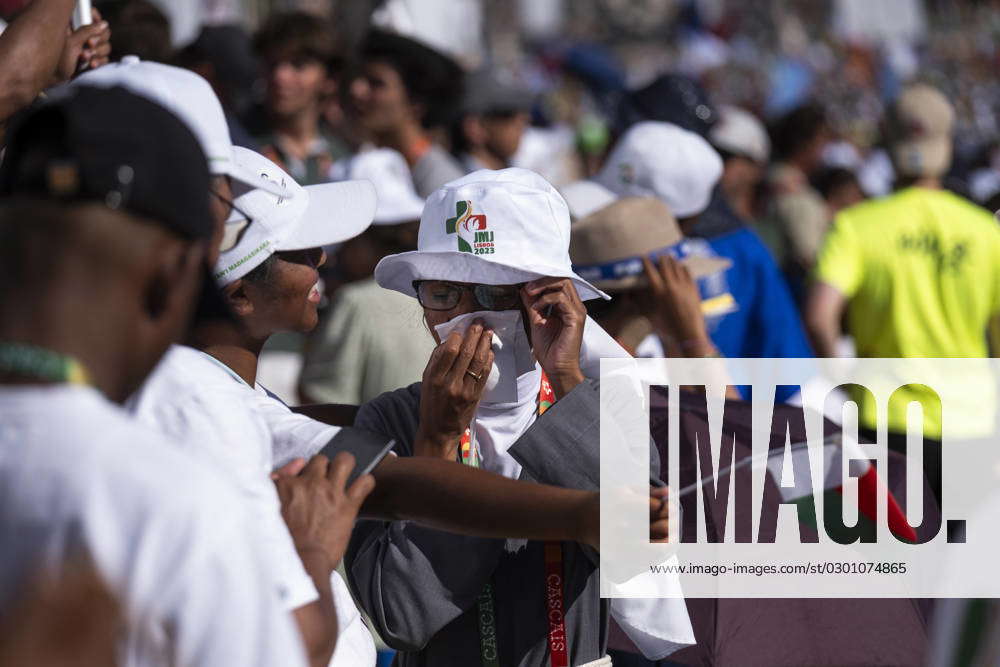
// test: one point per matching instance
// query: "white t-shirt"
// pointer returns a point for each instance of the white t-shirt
(297, 436)
(355, 645)
(196, 397)
(169, 537)
(199, 403)
(292, 435)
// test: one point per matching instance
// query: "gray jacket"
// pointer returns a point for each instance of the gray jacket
(419, 585)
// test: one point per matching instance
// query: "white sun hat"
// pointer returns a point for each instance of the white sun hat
(398, 200)
(188, 96)
(655, 159)
(491, 227)
(741, 133)
(586, 197)
(314, 216)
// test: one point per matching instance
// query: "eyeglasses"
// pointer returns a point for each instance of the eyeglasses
(236, 225)
(443, 295)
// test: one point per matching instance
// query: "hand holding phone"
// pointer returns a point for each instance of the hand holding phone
(319, 505)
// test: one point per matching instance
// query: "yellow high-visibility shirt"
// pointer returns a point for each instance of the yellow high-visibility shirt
(921, 270)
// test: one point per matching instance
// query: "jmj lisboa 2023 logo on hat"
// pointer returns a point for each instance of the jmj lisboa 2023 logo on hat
(471, 229)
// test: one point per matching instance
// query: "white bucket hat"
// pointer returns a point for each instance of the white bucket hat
(397, 198)
(492, 227)
(188, 96)
(314, 216)
(654, 159)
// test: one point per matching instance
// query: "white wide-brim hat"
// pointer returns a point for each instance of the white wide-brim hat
(491, 227)
(313, 217)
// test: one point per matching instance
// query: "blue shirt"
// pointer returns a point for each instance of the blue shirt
(766, 323)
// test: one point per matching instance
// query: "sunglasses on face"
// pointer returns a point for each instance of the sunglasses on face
(443, 295)
(236, 224)
(311, 257)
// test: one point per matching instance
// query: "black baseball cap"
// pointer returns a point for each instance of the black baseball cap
(109, 145)
(670, 98)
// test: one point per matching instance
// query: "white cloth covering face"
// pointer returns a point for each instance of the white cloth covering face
(512, 404)
(512, 355)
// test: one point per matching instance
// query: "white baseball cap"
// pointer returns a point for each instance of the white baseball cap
(739, 132)
(191, 98)
(586, 197)
(398, 200)
(655, 159)
(314, 216)
(490, 227)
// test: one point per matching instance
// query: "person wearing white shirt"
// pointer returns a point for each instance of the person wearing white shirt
(107, 259)
(294, 571)
(202, 402)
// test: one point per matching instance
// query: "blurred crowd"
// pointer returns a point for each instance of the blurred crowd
(422, 236)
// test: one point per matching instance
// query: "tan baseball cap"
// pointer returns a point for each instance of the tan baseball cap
(918, 129)
(607, 246)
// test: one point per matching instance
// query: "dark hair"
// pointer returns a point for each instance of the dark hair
(458, 141)
(299, 36)
(261, 274)
(138, 27)
(832, 178)
(228, 49)
(431, 79)
(796, 129)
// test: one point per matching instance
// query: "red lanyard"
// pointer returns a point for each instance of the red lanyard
(554, 605)
(554, 608)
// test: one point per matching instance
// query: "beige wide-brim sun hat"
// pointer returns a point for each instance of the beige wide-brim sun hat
(501, 227)
(607, 246)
